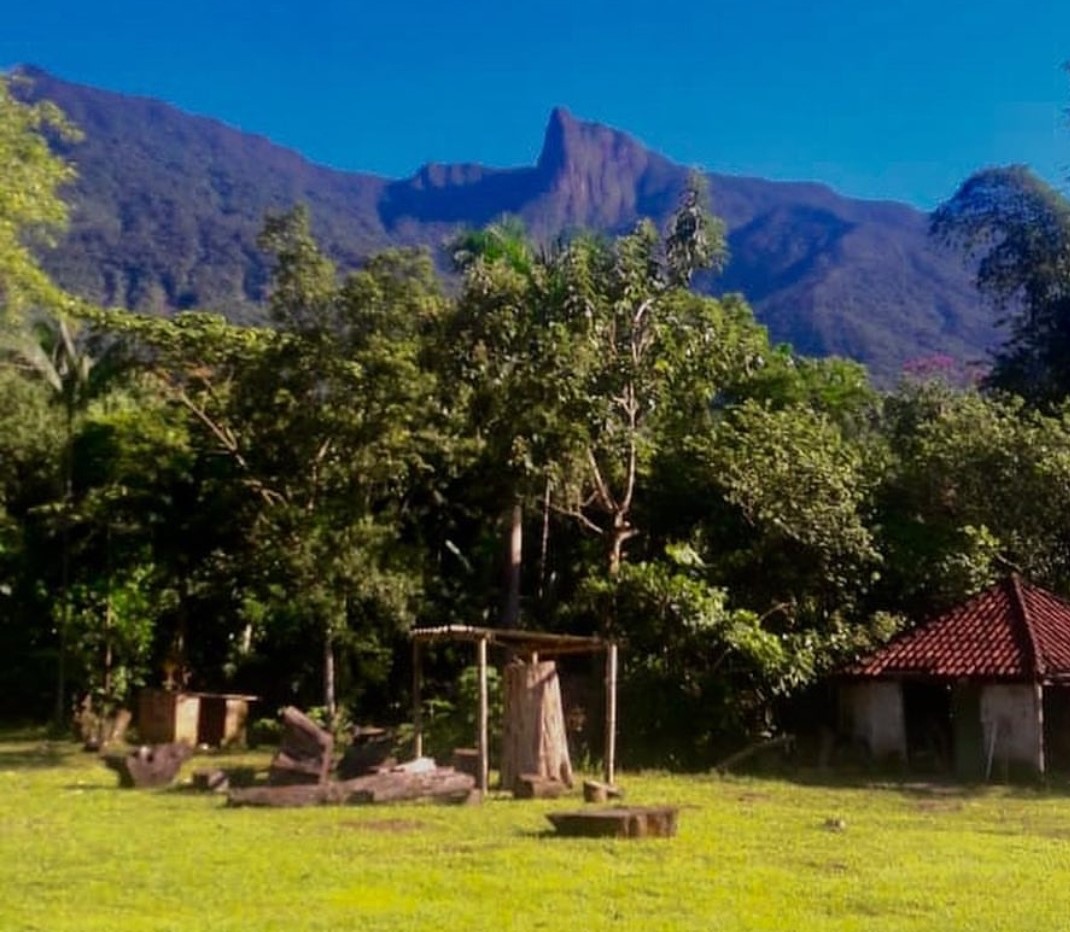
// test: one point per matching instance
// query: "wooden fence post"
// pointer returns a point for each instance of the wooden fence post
(417, 703)
(611, 712)
(484, 761)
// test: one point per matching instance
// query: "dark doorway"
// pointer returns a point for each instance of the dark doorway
(927, 720)
(1057, 729)
(968, 732)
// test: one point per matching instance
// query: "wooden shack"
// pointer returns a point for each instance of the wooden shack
(985, 684)
(216, 719)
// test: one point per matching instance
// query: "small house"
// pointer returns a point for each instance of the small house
(983, 685)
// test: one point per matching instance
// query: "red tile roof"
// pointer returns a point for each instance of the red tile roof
(1012, 630)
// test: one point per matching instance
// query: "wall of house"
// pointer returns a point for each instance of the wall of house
(1009, 714)
(873, 713)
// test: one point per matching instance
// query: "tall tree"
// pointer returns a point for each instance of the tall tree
(326, 419)
(633, 348)
(493, 360)
(1017, 230)
(31, 208)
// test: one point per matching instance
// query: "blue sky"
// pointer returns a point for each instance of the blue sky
(899, 99)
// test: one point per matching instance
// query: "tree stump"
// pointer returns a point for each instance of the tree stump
(149, 765)
(304, 754)
(619, 822)
(533, 729)
(595, 791)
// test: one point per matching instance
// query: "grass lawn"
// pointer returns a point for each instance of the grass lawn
(77, 853)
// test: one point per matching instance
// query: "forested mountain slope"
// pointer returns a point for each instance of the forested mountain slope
(168, 205)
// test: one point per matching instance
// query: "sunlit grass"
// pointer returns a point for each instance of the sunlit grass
(77, 853)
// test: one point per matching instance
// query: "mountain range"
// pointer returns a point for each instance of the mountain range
(167, 206)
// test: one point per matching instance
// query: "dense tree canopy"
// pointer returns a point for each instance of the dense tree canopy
(1017, 229)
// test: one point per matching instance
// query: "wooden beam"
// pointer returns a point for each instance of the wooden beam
(417, 703)
(611, 713)
(484, 761)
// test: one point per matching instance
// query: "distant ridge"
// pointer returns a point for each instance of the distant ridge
(168, 205)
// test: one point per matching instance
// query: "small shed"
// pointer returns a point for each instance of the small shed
(985, 683)
(216, 719)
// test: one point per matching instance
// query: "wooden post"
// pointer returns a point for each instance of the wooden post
(484, 763)
(417, 704)
(611, 712)
(1038, 699)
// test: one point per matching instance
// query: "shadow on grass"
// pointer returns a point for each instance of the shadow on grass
(919, 784)
(22, 755)
(32, 747)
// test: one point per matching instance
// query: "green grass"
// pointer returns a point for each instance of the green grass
(77, 853)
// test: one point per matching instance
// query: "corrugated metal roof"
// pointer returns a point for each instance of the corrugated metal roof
(1012, 630)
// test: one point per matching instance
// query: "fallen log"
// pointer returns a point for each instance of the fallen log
(149, 765)
(784, 741)
(442, 785)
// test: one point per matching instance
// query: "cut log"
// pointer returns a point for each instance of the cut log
(533, 728)
(442, 785)
(533, 786)
(595, 791)
(620, 822)
(149, 765)
(304, 754)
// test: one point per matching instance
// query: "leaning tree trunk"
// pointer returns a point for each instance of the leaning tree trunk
(533, 731)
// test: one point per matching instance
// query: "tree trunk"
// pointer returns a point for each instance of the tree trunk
(328, 676)
(60, 714)
(533, 731)
(511, 608)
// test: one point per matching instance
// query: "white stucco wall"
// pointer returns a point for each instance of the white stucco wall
(874, 714)
(1012, 709)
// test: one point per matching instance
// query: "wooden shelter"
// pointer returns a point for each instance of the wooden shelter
(215, 719)
(529, 646)
(986, 682)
